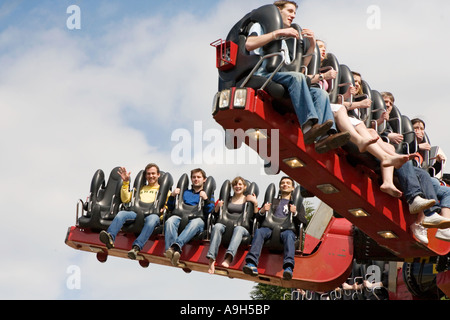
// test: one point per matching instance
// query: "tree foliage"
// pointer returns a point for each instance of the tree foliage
(263, 291)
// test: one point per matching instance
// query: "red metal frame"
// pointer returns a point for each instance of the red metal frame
(226, 53)
(357, 186)
(324, 269)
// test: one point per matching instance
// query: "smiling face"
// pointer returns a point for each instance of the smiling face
(286, 186)
(152, 176)
(288, 12)
(239, 186)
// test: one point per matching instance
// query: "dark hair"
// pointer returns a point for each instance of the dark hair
(281, 3)
(150, 165)
(198, 170)
(415, 120)
(287, 177)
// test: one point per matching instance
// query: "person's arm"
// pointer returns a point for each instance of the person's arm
(171, 200)
(209, 205)
(257, 41)
(125, 193)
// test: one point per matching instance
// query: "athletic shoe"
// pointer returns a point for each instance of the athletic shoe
(107, 239)
(419, 233)
(132, 254)
(420, 204)
(443, 234)
(250, 269)
(287, 274)
(436, 221)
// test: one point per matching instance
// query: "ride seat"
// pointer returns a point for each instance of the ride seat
(378, 107)
(409, 144)
(103, 202)
(333, 85)
(246, 219)
(187, 212)
(144, 209)
(278, 224)
(270, 19)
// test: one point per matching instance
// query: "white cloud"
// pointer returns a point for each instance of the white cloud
(64, 96)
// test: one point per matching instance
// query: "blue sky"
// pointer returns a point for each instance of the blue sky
(114, 92)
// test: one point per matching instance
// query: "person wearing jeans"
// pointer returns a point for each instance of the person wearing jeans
(236, 206)
(417, 186)
(147, 194)
(282, 208)
(311, 105)
(174, 242)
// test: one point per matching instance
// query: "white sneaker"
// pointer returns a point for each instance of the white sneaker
(419, 232)
(436, 221)
(419, 204)
(443, 234)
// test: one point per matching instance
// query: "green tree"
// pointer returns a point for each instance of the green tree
(263, 291)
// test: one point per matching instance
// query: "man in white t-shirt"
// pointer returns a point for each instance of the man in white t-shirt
(312, 105)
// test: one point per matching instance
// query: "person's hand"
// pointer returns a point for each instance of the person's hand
(124, 174)
(440, 158)
(351, 90)
(385, 116)
(219, 204)
(308, 33)
(203, 195)
(424, 146)
(395, 137)
(266, 207)
(293, 208)
(286, 33)
(176, 192)
(366, 103)
(251, 198)
(330, 74)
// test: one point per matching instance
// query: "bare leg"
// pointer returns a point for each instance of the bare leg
(344, 124)
(226, 262)
(388, 185)
(212, 267)
(382, 150)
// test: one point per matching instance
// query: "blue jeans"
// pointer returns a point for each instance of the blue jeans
(442, 192)
(414, 182)
(150, 223)
(171, 231)
(216, 238)
(310, 104)
(263, 234)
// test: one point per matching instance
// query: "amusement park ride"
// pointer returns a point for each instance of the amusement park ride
(364, 224)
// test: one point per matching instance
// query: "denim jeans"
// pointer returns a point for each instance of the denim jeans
(310, 104)
(171, 231)
(414, 182)
(263, 234)
(442, 192)
(150, 223)
(216, 238)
